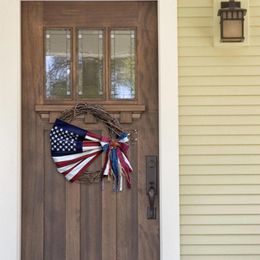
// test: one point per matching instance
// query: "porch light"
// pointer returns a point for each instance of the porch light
(231, 21)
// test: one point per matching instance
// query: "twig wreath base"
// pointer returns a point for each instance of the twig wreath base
(98, 112)
(111, 123)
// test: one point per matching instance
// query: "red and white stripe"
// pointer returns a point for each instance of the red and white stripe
(74, 165)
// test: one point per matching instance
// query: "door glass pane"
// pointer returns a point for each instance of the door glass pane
(90, 64)
(57, 63)
(123, 60)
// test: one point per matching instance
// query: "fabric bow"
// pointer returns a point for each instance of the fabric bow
(74, 149)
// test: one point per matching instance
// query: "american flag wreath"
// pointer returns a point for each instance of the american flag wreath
(74, 149)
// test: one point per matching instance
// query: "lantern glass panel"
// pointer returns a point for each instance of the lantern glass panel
(232, 29)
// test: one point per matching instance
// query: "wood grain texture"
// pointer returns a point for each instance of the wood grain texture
(90, 222)
(32, 173)
(64, 221)
(91, 217)
(125, 117)
(91, 14)
(127, 215)
(148, 231)
(109, 223)
(54, 209)
(115, 107)
(72, 221)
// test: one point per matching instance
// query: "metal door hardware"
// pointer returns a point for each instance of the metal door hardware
(151, 184)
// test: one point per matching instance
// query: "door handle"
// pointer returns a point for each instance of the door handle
(151, 210)
(151, 184)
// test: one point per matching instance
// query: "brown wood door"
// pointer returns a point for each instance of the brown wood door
(72, 221)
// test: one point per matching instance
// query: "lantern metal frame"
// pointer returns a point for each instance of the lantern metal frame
(237, 14)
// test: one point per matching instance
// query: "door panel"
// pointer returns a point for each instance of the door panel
(61, 220)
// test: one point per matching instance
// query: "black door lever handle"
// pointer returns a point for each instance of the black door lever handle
(151, 184)
(151, 211)
(151, 196)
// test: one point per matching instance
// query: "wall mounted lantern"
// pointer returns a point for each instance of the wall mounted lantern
(231, 21)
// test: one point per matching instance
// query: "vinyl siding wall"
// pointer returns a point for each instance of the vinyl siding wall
(219, 97)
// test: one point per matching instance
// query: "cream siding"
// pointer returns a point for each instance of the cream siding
(219, 97)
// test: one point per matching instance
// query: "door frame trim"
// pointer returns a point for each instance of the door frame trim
(10, 152)
(168, 130)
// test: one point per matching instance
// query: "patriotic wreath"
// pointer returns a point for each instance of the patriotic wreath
(74, 149)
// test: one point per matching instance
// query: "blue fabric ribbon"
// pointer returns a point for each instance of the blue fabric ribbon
(115, 166)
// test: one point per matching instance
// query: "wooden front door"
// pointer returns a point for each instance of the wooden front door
(100, 53)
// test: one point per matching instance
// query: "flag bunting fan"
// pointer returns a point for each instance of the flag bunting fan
(74, 149)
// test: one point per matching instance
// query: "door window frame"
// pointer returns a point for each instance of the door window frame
(10, 66)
